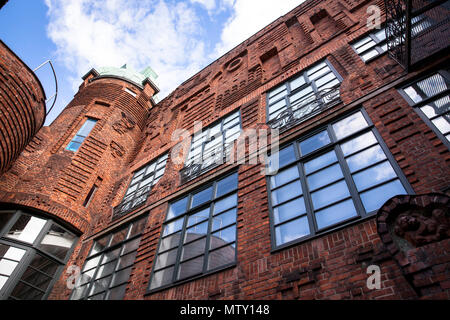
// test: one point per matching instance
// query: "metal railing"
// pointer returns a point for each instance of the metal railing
(55, 95)
(306, 108)
(416, 29)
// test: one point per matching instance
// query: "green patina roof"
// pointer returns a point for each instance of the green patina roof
(129, 73)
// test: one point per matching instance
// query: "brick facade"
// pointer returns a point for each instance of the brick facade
(48, 178)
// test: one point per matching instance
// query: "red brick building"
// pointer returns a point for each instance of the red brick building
(353, 204)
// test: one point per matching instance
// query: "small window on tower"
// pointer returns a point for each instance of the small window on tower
(82, 134)
(134, 94)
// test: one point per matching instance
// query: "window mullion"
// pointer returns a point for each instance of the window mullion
(208, 238)
(305, 191)
(180, 246)
(360, 211)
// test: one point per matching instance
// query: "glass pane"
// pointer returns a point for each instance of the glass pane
(413, 94)
(131, 246)
(432, 85)
(320, 162)
(358, 143)
(289, 210)
(201, 197)
(100, 244)
(226, 203)
(333, 193)
(442, 124)
(193, 249)
(11, 253)
(26, 228)
(138, 227)
(169, 242)
(198, 217)
(87, 127)
(287, 192)
(362, 42)
(280, 105)
(370, 54)
(325, 79)
(335, 214)
(318, 70)
(297, 82)
(127, 260)
(374, 175)
(5, 216)
(196, 232)
(91, 263)
(375, 198)
(121, 276)
(36, 278)
(284, 176)
(349, 125)
(315, 142)
(365, 158)
(117, 293)
(177, 208)
(190, 268)
(79, 292)
(324, 177)
(100, 296)
(25, 292)
(166, 259)
(221, 257)
(7, 267)
(86, 277)
(119, 236)
(106, 269)
(277, 96)
(222, 237)
(174, 226)
(292, 230)
(224, 219)
(3, 280)
(100, 285)
(226, 185)
(301, 95)
(381, 35)
(45, 265)
(161, 278)
(57, 241)
(282, 158)
(276, 90)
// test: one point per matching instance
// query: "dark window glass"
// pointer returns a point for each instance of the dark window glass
(316, 193)
(430, 97)
(200, 239)
(106, 272)
(46, 246)
(371, 45)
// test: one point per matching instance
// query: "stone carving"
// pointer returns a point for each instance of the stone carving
(123, 125)
(116, 149)
(421, 227)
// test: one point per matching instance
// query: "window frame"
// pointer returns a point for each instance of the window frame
(101, 255)
(132, 196)
(378, 45)
(189, 212)
(308, 82)
(417, 105)
(334, 145)
(32, 250)
(208, 129)
(78, 135)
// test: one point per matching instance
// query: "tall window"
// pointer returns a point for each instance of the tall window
(142, 182)
(210, 147)
(430, 97)
(341, 173)
(33, 252)
(82, 134)
(199, 235)
(372, 45)
(304, 94)
(107, 269)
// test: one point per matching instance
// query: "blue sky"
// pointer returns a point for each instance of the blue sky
(176, 38)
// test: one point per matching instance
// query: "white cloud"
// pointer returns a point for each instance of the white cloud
(250, 16)
(165, 34)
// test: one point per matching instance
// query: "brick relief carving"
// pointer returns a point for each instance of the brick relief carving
(415, 230)
(116, 149)
(123, 125)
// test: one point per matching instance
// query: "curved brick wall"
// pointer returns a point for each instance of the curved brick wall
(22, 106)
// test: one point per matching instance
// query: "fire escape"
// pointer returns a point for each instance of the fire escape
(417, 30)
